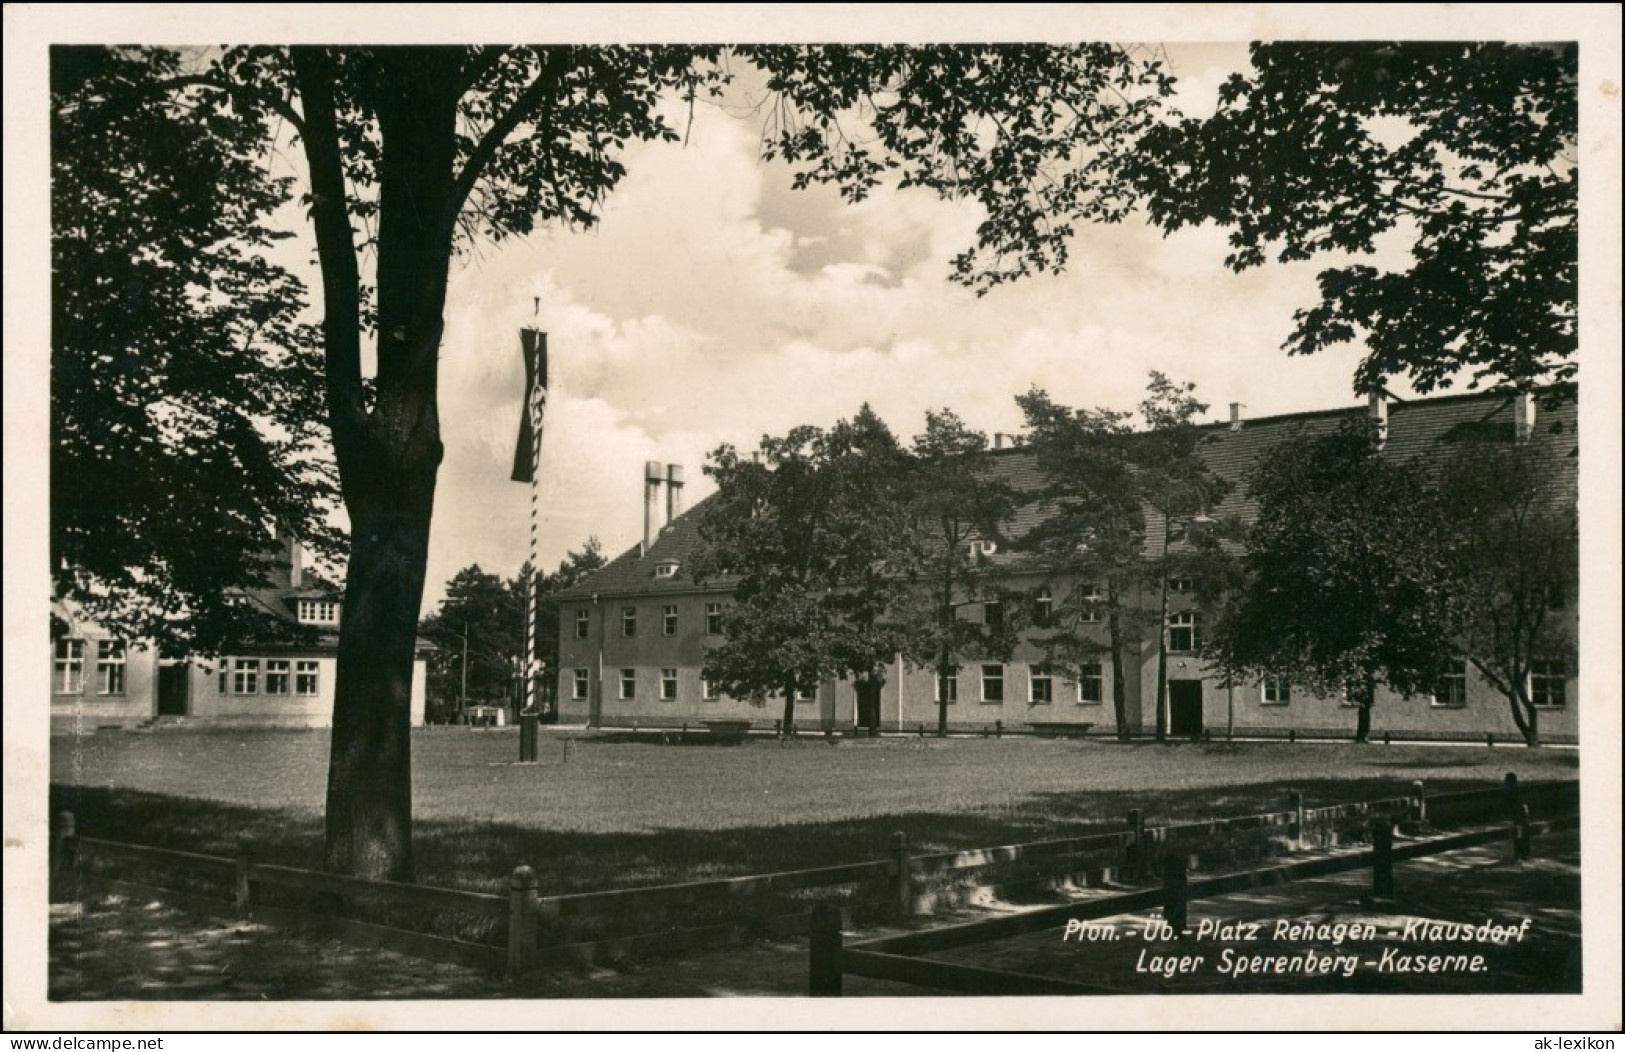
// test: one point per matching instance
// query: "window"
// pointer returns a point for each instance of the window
(668, 620)
(110, 666)
(1180, 585)
(1089, 604)
(1275, 691)
(804, 694)
(629, 684)
(578, 688)
(668, 684)
(666, 568)
(69, 677)
(306, 678)
(993, 683)
(629, 621)
(583, 623)
(993, 616)
(1043, 608)
(1548, 684)
(1042, 688)
(1183, 633)
(953, 687)
(276, 676)
(707, 692)
(245, 676)
(1091, 683)
(713, 619)
(318, 612)
(1451, 692)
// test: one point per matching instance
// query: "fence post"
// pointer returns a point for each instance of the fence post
(824, 951)
(1299, 834)
(1382, 857)
(1522, 848)
(1136, 858)
(1175, 890)
(64, 868)
(1514, 799)
(244, 882)
(1419, 804)
(521, 919)
(902, 881)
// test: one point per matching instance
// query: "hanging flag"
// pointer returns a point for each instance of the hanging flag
(534, 346)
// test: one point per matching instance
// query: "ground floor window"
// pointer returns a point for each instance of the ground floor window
(1043, 688)
(110, 666)
(578, 690)
(668, 684)
(992, 682)
(1548, 684)
(277, 676)
(68, 676)
(1451, 692)
(629, 684)
(306, 678)
(1276, 691)
(245, 676)
(953, 687)
(807, 694)
(707, 692)
(1091, 683)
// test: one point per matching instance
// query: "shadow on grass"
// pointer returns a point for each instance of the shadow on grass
(480, 855)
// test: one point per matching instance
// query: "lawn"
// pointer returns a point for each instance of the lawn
(624, 812)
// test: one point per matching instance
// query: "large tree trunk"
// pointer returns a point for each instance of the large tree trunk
(389, 451)
(1114, 631)
(1362, 719)
(787, 724)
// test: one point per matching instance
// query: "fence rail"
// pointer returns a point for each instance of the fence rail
(524, 927)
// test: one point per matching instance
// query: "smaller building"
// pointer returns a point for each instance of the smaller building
(101, 681)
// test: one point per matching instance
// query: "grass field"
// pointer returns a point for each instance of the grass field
(623, 812)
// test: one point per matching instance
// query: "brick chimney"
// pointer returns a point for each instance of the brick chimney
(289, 553)
(1377, 403)
(674, 492)
(1523, 415)
(653, 476)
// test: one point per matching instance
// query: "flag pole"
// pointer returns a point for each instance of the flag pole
(534, 343)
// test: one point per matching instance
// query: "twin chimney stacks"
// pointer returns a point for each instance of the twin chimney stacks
(654, 476)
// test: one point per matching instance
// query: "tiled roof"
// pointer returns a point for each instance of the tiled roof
(1415, 428)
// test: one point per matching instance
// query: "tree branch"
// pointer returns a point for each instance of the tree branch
(547, 80)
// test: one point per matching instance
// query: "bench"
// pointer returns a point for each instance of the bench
(1060, 730)
(727, 732)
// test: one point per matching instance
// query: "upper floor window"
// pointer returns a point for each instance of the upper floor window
(1181, 585)
(713, 619)
(666, 568)
(993, 616)
(1548, 684)
(1043, 608)
(318, 612)
(583, 622)
(1184, 634)
(629, 621)
(1089, 598)
(668, 620)
(68, 673)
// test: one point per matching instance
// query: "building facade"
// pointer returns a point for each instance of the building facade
(635, 633)
(99, 681)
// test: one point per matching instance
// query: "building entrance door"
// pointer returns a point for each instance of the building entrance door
(174, 691)
(1185, 708)
(868, 705)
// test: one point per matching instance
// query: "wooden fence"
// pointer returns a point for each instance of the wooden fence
(524, 928)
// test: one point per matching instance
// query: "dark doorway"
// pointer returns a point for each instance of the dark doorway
(868, 705)
(1185, 708)
(174, 689)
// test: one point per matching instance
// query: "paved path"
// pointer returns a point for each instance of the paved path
(135, 949)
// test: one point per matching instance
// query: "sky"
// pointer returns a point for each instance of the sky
(713, 303)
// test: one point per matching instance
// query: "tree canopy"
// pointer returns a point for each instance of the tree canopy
(1348, 573)
(1464, 153)
(185, 388)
